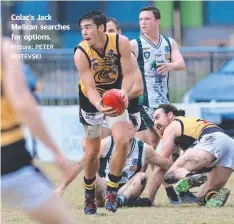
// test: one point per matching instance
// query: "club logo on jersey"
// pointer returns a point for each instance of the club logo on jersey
(146, 54)
(153, 66)
(107, 71)
(111, 53)
(94, 63)
(167, 49)
(134, 161)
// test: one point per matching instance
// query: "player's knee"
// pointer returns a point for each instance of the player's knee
(170, 178)
(142, 178)
(121, 141)
(91, 154)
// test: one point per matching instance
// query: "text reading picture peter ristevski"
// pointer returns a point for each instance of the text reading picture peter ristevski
(33, 35)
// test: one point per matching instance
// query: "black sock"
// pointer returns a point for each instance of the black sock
(113, 182)
(171, 193)
(89, 185)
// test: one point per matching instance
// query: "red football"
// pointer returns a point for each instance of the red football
(113, 98)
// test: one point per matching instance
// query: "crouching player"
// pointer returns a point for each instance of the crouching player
(207, 146)
(133, 179)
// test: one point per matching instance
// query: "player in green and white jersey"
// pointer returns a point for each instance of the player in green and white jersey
(157, 55)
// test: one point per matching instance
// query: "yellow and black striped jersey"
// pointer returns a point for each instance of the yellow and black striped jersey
(191, 130)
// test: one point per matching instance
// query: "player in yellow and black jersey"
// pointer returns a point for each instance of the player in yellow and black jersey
(103, 62)
(205, 145)
(106, 68)
(22, 184)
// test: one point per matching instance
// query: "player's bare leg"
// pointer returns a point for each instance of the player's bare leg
(52, 211)
(120, 133)
(216, 181)
(91, 163)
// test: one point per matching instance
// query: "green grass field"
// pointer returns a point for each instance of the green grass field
(163, 213)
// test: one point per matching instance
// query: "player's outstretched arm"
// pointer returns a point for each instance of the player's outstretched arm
(154, 159)
(76, 169)
(23, 102)
(138, 87)
(167, 149)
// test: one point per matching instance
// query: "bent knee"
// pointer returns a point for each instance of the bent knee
(91, 155)
(142, 177)
(170, 178)
(121, 142)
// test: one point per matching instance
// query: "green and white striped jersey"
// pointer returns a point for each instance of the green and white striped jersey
(134, 162)
(149, 56)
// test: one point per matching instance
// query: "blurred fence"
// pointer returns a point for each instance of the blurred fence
(59, 77)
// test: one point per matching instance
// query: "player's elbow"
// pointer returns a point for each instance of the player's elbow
(140, 91)
(21, 107)
(24, 104)
(181, 65)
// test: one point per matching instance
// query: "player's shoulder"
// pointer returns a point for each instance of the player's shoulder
(83, 44)
(168, 38)
(112, 35)
(81, 48)
(123, 38)
(133, 42)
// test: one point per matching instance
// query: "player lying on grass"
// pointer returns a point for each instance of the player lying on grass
(133, 179)
(205, 145)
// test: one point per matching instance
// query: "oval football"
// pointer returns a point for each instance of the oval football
(113, 98)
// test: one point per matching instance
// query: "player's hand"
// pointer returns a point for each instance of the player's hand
(163, 68)
(108, 111)
(63, 165)
(59, 191)
(124, 94)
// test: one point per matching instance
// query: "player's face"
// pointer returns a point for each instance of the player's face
(90, 32)
(148, 23)
(111, 28)
(161, 120)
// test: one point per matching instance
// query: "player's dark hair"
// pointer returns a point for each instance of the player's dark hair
(170, 108)
(111, 19)
(97, 17)
(155, 11)
(133, 120)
